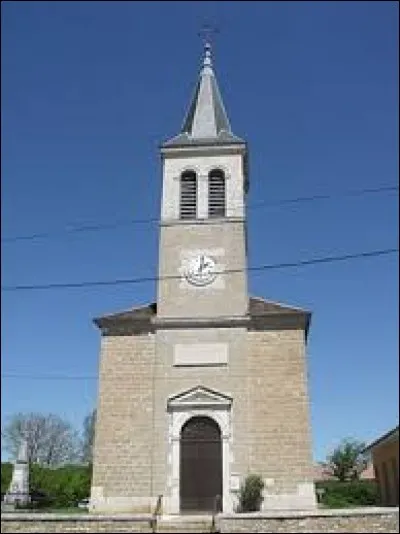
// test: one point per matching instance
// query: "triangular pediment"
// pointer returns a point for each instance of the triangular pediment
(199, 396)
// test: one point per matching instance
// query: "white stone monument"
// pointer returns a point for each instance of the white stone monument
(18, 492)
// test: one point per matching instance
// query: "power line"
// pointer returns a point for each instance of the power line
(70, 229)
(115, 282)
(350, 193)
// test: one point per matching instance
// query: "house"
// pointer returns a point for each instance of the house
(385, 458)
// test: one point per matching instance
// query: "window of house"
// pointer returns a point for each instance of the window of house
(216, 194)
(188, 196)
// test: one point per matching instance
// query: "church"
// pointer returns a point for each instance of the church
(207, 384)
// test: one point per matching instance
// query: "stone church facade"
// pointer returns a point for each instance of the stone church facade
(207, 384)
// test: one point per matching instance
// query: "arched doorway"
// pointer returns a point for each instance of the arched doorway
(200, 464)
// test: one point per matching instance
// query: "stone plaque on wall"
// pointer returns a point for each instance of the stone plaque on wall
(201, 354)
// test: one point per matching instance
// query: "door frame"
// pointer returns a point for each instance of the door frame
(203, 402)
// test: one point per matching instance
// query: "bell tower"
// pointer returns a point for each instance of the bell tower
(202, 254)
(208, 385)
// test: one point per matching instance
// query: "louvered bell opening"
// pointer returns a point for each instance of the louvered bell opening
(187, 209)
(216, 194)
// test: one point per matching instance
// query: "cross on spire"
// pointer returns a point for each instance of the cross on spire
(206, 33)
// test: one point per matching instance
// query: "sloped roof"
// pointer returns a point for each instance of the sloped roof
(142, 313)
(259, 309)
(386, 438)
(260, 306)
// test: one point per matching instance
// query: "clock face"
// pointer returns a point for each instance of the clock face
(201, 270)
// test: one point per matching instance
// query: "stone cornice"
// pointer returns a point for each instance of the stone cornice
(205, 222)
(201, 322)
(209, 149)
(143, 326)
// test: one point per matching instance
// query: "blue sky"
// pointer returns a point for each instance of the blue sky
(89, 90)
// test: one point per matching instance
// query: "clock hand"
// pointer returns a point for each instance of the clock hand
(202, 265)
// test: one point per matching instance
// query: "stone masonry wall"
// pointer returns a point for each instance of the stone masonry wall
(385, 521)
(279, 439)
(122, 457)
(331, 521)
(55, 525)
(227, 295)
(265, 376)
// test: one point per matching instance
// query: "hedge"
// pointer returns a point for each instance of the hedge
(347, 494)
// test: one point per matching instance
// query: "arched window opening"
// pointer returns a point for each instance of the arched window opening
(188, 196)
(216, 194)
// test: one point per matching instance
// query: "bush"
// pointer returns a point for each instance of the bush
(347, 494)
(6, 473)
(62, 487)
(250, 494)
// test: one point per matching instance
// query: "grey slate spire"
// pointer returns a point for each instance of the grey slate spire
(206, 121)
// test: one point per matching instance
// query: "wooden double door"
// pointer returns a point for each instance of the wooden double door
(200, 465)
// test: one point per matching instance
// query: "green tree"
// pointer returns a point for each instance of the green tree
(347, 460)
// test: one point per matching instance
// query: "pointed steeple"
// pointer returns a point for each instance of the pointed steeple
(206, 120)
